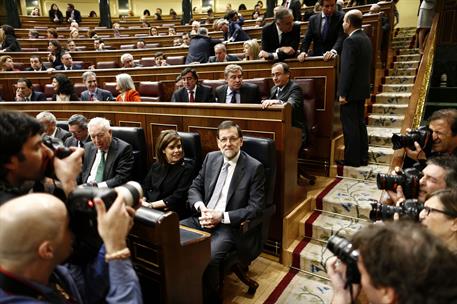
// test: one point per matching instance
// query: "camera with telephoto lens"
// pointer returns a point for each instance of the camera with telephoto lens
(408, 180)
(57, 146)
(409, 209)
(83, 215)
(344, 251)
(422, 135)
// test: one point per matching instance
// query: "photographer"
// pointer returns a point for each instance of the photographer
(399, 262)
(30, 262)
(440, 173)
(443, 125)
(440, 216)
(24, 159)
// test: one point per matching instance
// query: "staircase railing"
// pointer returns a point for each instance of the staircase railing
(417, 100)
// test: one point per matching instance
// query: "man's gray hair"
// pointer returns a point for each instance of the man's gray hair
(99, 121)
(125, 56)
(78, 119)
(48, 116)
(88, 74)
(281, 13)
(231, 68)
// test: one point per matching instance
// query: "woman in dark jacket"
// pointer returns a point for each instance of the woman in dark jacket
(169, 178)
(55, 15)
(55, 53)
(8, 39)
(64, 89)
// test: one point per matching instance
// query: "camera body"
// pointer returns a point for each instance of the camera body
(408, 180)
(422, 135)
(57, 146)
(83, 215)
(409, 209)
(344, 250)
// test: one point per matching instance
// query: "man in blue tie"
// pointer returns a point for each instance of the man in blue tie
(325, 31)
(228, 190)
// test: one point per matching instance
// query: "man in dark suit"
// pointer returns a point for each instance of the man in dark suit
(295, 7)
(221, 55)
(73, 14)
(67, 63)
(50, 128)
(77, 125)
(353, 88)
(25, 92)
(325, 31)
(228, 190)
(201, 47)
(93, 92)
(232, 30)
(281, 37)
(35, 64)
(108, 161)
(287, 91)
(236, 91)
(192, 91)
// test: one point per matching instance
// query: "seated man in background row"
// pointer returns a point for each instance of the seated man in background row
(25, 92)
(419, 268)
(192, 90)
(50, 128)
(67, 63)
(35, 64)
(108, 161)
(31, 269)
(93, 92)
(128, 62)
(77, 125)
(287, 91)
(237, 91)
(221, 55)
(228, 190)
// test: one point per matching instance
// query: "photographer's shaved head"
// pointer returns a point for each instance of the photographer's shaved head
(36, 254)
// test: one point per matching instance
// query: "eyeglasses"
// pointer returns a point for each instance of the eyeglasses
(225, 140)
(430, 209)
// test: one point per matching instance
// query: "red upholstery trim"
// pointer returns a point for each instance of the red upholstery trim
(282, 285)
(327, 189)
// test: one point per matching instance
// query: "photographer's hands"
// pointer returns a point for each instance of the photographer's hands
(336, 271)
(418, 154)
(114, 224)
(68, 169)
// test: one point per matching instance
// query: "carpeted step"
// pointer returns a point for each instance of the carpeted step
(390, 121)
(400, 79)
(402, 38)
(397, 88)
(392, 98)
(400, 45)
(320, 225)
(381, 136)
(409, 57)
(402, 72)
(389, 109)
(408, 51)
(300, 287)
(406, 64)
(309, 255)
(349, 197)
(380, 155)
(368, 172)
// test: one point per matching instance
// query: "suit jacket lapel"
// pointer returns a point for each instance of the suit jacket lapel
(224, 94)
(185, 95)
(91, 153)
(112, 153)
(214, 175)
(319, 25)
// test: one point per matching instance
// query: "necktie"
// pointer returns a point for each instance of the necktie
(278, 92)
(27, 99)
(280, 38)
(91, 97)
(100, 168)
(191, 96)
(219, 185)
(81, 144)
(287, 4)
(233, 100)
(326, 28)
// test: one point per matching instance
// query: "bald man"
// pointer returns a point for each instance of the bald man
(30, 269)
(354, 88)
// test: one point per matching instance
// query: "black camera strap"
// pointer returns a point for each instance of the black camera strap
(16, 286)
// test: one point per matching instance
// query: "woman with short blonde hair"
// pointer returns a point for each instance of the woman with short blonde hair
(126, 88)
